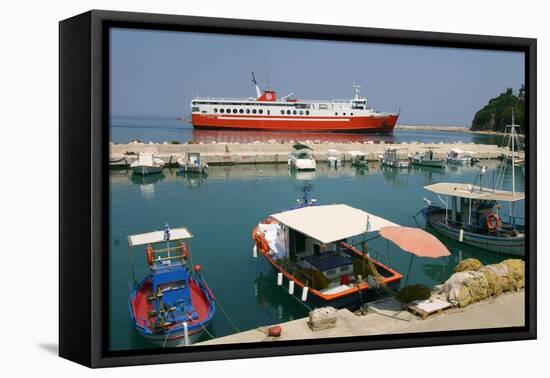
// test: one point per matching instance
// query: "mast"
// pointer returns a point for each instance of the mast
(258, 91)
(513, 155)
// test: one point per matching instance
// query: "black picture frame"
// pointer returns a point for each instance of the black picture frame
(84, 186)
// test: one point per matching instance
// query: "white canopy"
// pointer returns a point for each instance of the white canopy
(330, 223)
(471, 192)
(158, 237)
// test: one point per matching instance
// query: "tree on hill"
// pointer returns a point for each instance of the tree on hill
(498, 112)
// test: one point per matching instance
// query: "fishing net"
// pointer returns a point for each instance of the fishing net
(463, 288)
(411, 293)
(498, 277)
(468, 265)
(516, 268)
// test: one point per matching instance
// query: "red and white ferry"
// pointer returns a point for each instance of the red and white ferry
(267, 112)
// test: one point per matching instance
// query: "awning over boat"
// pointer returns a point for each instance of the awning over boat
(330, 223)
(416, 241)
(469, 191)
(158, 237)
(300, 146)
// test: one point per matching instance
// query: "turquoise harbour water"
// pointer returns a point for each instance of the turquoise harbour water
(221, 210)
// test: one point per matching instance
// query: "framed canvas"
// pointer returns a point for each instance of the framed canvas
(209, 210)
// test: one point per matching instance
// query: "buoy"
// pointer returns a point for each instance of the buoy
(304, 293)
(197, 268)
(255, 251)
(279, 279)
(185, 334)
(290, 287)
(461, 235)
(274, 331)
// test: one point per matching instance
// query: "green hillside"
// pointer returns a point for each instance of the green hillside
(498, 112)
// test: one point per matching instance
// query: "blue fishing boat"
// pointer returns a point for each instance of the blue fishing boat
(173, 305)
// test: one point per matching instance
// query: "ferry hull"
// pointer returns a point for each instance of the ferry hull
(368, 124)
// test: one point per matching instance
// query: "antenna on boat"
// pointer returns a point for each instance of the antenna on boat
(357, 89)
(258, 91)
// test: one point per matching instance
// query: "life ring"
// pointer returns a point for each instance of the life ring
(149, 252)
(184, 250)
(261, 243)
(492, 222)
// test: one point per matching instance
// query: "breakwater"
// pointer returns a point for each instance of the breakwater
(273, 152)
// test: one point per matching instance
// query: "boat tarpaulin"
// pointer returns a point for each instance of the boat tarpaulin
(300, 146)
(469, 191)
(416, 241)
(158, 237)
(330, 223)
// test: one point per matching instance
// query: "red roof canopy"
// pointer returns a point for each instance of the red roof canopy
(415, 241)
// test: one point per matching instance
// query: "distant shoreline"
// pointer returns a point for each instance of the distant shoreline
(453, 129)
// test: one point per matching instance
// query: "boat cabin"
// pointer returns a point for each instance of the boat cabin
(312, 242)
(476, 210)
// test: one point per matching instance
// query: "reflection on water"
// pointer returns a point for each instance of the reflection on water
(222, 208)
(245, 136)
(159, 130)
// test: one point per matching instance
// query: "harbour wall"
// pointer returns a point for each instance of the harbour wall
(266, 152)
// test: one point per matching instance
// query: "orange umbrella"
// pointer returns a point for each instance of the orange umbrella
(415, 241)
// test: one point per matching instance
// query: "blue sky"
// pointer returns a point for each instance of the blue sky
(156, 73)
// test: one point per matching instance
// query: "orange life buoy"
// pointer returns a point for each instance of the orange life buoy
(149, 252)
(184, 250)
(261, 243)
(492, 222)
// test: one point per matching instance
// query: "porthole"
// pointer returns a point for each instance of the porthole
(222, 110)
(344, 113)
(235, 111)
(215, 110)
(241, 111)
(260, 111)
(253, 111)
(288, 112)
(282, 112)
(351, 114)
(301, 112)
(247, 111)
(268, 112)
(228, 111)
(307, 112)
(336, 113)
(294, 112)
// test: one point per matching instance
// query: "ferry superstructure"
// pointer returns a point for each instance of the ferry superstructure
(267, 112)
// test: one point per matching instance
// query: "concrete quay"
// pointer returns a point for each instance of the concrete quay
(387, 317)
(266, 152)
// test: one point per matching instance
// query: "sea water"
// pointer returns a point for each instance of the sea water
(221, 210)
(160, 130)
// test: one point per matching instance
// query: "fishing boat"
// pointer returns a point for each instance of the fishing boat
(472, 214)
(395, 157)
(359, 159)
(146, 164)
(333, 158)
(301, 158)
(427, 159)
(268, 113)
(457, 156)
(193, 163)
(172, 306)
